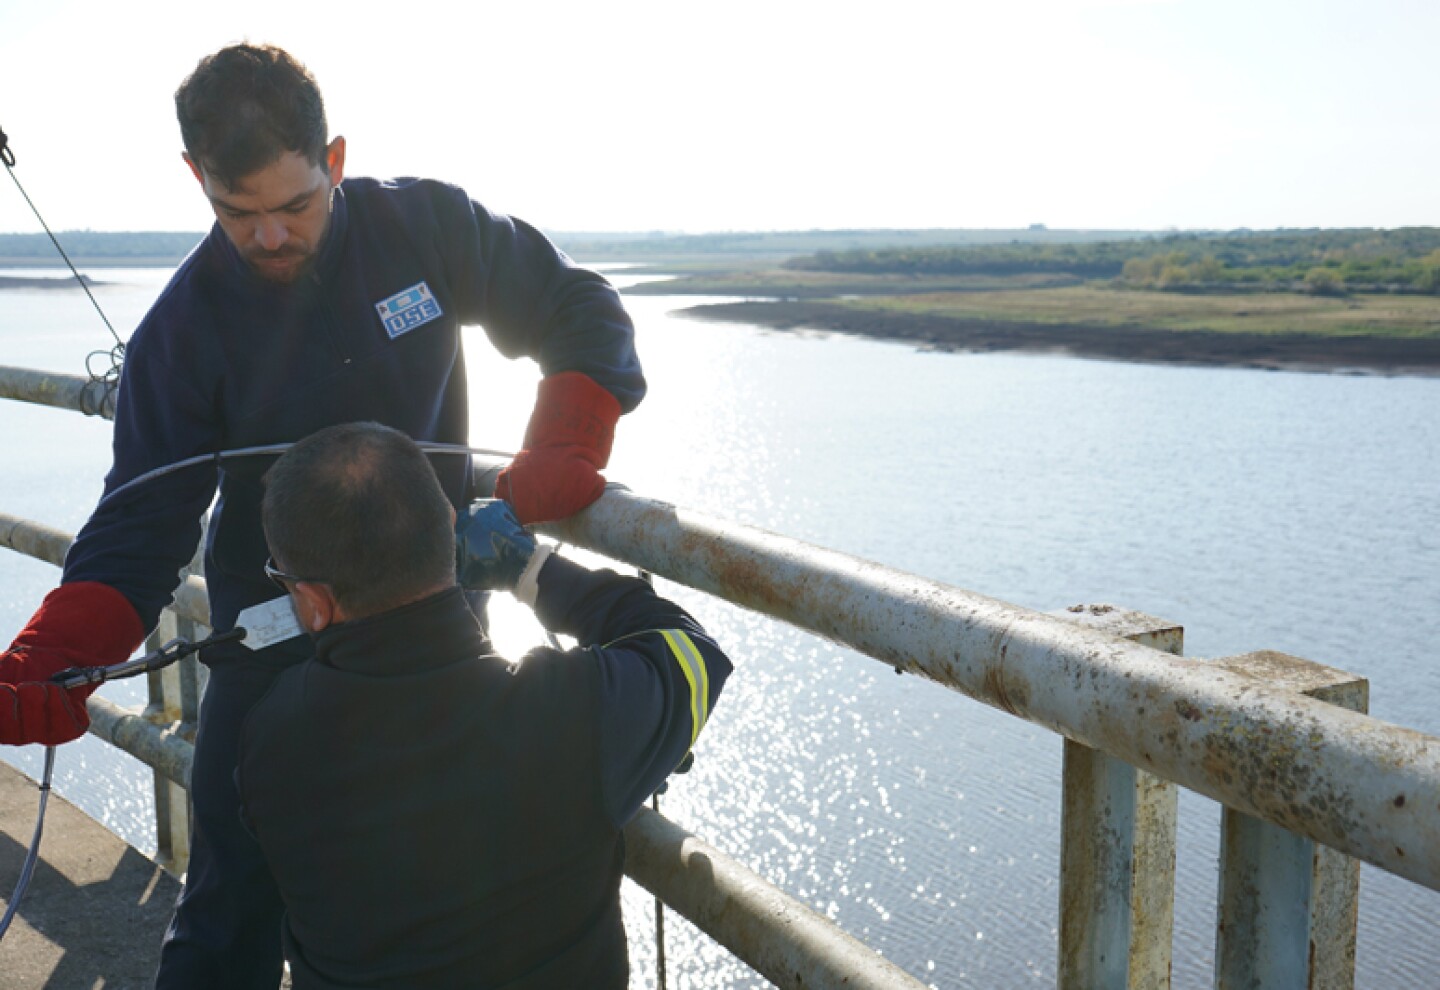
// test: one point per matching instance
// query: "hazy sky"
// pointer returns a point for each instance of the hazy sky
(774, 115)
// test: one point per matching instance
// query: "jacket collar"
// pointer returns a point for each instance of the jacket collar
(433, 632)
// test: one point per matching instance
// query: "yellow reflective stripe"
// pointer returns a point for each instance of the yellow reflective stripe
(693, 666)
(698, 660)
(704, 683)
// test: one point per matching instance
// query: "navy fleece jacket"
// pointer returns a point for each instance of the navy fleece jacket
(226, 359)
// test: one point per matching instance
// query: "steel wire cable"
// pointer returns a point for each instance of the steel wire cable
(110, 377)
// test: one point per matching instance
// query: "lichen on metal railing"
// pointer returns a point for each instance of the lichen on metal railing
(91, 396)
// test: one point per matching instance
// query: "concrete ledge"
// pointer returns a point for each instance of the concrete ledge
(96, 908)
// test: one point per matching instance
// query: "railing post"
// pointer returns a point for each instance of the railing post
(1117, 847)
(1287, 906)
(175, 701)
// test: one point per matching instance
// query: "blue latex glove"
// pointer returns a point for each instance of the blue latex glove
(491, 547)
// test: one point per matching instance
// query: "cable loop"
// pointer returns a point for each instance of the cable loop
(6, 155)
(107, 379)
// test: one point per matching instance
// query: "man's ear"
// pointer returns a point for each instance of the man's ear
(194, 169)
(335, 160)
(314, 605)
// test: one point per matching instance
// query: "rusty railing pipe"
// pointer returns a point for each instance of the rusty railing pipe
(1350, 781)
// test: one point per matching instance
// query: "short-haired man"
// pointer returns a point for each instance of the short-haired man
(435, 815)
(312, 301)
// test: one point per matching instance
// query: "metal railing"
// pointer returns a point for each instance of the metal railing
(774, 934)
(1282, 743)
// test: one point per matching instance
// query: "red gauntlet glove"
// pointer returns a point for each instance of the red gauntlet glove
(567, 443)
(83, 624)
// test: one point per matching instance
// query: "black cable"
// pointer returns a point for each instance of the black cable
(28, 869)
(110, 377)
(219, 457)
(649, 579)
(75, 676)
(660, 981)
(659, 919)
(117, 354)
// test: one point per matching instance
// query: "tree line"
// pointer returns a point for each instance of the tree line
(100, 245)
(1320, 261)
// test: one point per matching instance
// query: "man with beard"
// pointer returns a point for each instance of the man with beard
(314, 300)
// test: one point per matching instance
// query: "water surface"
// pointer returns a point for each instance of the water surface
(1284, 511)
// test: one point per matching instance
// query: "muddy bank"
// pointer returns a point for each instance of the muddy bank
(1280, 351)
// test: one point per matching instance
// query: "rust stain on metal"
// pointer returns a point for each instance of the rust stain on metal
(742, 575)
(1188, 711)
(995, 688)
(1010, 693)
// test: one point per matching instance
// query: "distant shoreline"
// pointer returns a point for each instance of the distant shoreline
(1359, 354)
(41, 282)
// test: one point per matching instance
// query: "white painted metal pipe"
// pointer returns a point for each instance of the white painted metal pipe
(1355, 783)
(86, 395)
(1352, 782)
(34, 539)
(161, 747)
(767, 929)
(49, 544)
(780, 938)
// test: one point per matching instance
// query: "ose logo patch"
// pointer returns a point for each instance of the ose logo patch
(404, 311)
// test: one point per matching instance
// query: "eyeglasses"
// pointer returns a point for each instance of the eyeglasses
(281, 578)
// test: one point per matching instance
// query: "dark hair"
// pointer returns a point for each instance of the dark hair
(247, 105)
(358, 507)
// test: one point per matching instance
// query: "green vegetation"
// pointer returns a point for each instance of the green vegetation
(1338, 299)
(1321, 262)
(1286, 298)
(699, 252)
(1097, 306)
(785, 283)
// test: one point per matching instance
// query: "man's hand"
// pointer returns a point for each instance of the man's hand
(492, 549)
(566, 444)
(79, 624)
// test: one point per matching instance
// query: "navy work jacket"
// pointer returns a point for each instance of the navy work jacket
(226, 359)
